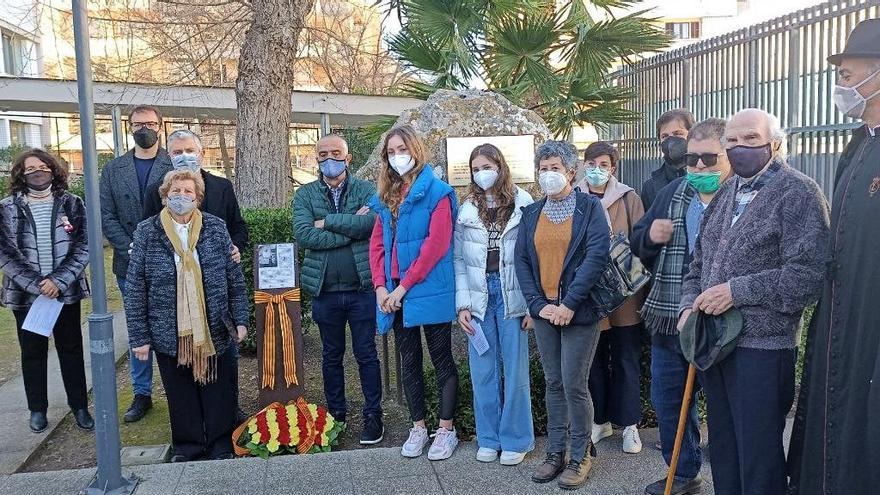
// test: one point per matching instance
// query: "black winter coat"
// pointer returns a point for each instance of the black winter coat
(220, 201)
(19, 260)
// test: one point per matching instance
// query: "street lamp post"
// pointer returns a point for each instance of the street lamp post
(109, 479)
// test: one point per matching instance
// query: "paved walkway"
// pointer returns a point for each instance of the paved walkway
(368, 471)
(18, 441)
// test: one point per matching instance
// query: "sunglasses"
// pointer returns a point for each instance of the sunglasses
(708, 159)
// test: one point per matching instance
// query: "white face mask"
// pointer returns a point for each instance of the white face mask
(849, 101)
(401, 163)
(552, 182)
(486, 179)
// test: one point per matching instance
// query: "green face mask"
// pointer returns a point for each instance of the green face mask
(706, 183)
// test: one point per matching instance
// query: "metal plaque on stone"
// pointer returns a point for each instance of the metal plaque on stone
(518, 151)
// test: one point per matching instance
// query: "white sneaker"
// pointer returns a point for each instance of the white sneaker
(510, 458)
(485, 454)
(415, 444)
(600, 432)
(632, 444)
(444, 444)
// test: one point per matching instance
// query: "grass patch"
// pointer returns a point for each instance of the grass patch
(10, 353)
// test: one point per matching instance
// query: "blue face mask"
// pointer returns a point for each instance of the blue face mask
(185, 161)
(331, 167)
(598, 176)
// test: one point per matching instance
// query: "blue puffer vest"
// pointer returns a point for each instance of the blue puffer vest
(432, 300)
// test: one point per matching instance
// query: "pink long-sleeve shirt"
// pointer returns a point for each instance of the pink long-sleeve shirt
(433, 248)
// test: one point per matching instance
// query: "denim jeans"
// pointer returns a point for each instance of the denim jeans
(668, 376)
(141, 371)
(502, 405)
(332, 311)
(566, 355)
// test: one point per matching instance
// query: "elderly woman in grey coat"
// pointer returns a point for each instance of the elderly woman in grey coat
(44, 252)
(187, 303)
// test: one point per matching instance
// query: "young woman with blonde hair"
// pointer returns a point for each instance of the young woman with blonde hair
(411, 263)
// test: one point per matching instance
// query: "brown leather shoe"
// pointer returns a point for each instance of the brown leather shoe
(575, 474)
(550, 468)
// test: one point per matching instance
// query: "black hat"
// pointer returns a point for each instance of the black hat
(706, 339)
(863, 42)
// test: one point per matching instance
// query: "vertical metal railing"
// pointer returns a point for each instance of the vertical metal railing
(779, 65)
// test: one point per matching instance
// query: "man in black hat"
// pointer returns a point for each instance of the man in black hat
(835, 446)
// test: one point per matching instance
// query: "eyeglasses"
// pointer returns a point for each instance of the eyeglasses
(136, 126)
(708, 159)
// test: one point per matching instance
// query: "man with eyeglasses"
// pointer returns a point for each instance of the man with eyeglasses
(124, 181)
(665, 240)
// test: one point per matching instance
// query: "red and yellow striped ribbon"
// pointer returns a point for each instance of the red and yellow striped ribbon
(307, 437)
(287, 350)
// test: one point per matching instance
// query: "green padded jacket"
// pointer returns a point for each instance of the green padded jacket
(312, 203)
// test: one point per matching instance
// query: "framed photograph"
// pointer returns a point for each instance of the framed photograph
(276, 266)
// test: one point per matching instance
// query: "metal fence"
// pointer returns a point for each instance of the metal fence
(779, 65)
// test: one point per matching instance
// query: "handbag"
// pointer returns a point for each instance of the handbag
(624, 275)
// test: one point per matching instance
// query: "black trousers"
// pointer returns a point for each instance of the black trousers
(749, 394)
(614, 376)
(202, 416)
(35, 355)
(409, 343)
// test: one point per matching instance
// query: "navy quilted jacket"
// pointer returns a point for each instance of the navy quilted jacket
(151, 291)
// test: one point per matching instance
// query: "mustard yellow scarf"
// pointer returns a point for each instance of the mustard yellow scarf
(194, 345)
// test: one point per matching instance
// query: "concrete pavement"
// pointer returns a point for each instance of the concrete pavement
(369, 471)
(18, 441)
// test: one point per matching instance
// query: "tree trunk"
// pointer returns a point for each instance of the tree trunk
(263, 90)
(224, 154)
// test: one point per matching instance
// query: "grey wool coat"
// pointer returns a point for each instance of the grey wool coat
(774, 257)
(19, 260)
(151, 292)
(121, 206)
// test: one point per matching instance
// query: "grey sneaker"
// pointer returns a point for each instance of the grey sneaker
(444, 444)
(415, 444)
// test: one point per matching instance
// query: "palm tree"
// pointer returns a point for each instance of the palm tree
(554, 59)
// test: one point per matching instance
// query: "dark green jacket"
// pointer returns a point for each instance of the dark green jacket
(312, 203)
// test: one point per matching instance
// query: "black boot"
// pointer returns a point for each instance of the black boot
(84, 419)
(138, 408)
(38, 422)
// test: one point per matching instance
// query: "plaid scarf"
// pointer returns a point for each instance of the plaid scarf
(660, 311)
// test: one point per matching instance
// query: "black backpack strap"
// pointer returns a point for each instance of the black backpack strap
(629, 226)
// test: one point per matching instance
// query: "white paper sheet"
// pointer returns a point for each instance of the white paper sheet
(42, 316)
(478, 339)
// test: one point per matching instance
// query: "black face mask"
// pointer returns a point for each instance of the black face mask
(39, 180)
(145, 138)
(674, 148)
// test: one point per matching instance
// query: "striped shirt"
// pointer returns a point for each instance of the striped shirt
(41, 210)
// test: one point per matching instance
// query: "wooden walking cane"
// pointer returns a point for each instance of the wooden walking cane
(682, 419)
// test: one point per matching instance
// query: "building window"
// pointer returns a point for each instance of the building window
(13, 60)
(18, 133)
(683, 30)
